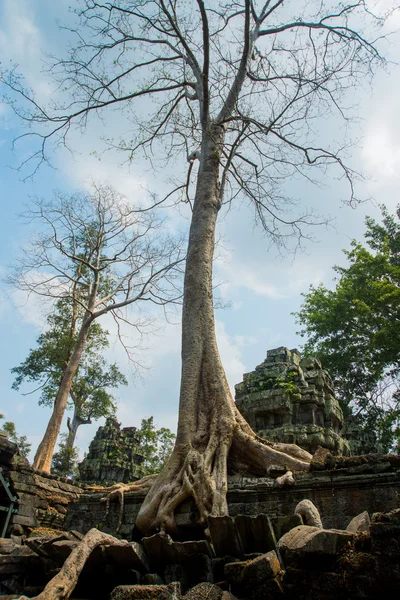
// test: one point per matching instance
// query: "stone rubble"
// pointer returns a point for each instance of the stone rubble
(307, 563)
(361, 522)
(273, 545)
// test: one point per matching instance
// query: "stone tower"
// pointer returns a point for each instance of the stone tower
(290, 399)
(114, 455)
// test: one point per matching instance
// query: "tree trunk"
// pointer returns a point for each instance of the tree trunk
(210, 428)
(45, 451)
(61, 586)
(73, 425)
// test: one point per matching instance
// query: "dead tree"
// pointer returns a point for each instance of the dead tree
(100, 253)
(234, 89)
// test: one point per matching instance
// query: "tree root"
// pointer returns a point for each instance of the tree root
(284, 480)
(199, 471)
(63, 584)
(118, 491)
(309, 513)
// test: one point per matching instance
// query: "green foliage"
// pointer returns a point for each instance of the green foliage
(355, 328)
(21, 440)
(252, 383)
(45, 365)
(287, 384)
(156, 446)
(65, 460)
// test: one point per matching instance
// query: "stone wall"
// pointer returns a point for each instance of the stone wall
(340, 491)
(42, 499)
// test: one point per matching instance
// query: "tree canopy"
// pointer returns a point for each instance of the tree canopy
(64, 462)
(355, 327)
(156, 446)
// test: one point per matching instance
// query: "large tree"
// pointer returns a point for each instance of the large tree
(44, 366)
(235, 91)
(98, 255)
(355, 328)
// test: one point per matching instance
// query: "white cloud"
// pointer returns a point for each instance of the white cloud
(381, 150)
(274, 280)
(20, 408)
(31, 308)
(19, 27)
(34, 307)
(21, 41)
(83, 171)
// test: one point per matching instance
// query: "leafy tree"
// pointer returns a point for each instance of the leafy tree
(21, 440)
(65, 460)
(231, 92)
(96, 254)
(156, 445)
(45, 364)
(355, 328)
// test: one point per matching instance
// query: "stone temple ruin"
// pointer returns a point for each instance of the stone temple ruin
(286, 398)
(273, 544)
(291, 399)
(114, 455)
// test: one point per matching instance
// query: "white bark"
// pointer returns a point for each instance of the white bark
(210, 428)
(45, 451)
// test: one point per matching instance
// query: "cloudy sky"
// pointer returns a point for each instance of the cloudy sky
(262, 287)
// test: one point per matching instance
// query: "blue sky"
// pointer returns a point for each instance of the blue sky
(262, 287)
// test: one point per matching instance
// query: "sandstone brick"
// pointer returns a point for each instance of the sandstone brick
(147, 592)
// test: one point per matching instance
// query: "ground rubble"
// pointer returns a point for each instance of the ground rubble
(247, 558)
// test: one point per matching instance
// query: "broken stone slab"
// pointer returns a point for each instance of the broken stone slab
(283, 524)
(306, 539)
(208, 591)
(76, 534)
(224, 536)
(218, 565)
(7, 546)
(255, 534)
(361, 522)
(147, 592)
(25, 521)
(41, 544)
(254, 572)
(60, 550)
(195, 569)
(18, 565)
(161, 549)
(130, 555)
